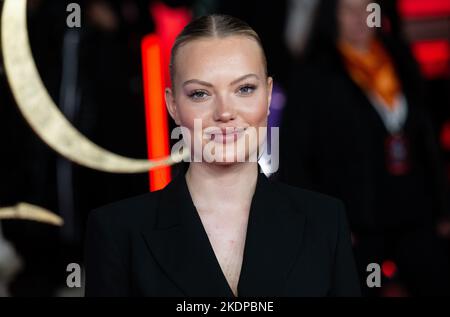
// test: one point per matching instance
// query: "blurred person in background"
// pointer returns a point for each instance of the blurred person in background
(356, 127)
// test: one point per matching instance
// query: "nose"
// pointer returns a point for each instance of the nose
(224, 110)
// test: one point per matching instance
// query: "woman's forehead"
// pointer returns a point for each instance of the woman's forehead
(231, 55)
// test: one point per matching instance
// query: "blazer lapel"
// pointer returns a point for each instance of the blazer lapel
(274, 235)
(181, 246)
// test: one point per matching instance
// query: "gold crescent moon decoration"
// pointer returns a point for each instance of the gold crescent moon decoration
(41, 112)
(27, 211)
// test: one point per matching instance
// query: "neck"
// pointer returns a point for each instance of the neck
(224, 185)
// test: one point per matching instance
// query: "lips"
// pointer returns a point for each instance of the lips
(225, 135)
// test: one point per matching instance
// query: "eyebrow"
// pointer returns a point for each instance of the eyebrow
(205, 83)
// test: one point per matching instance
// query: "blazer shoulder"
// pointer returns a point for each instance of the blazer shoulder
(308, 196)
(314, 204)
(326, 216)
(127, 212)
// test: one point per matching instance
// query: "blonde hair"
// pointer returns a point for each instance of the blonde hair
(214, 26)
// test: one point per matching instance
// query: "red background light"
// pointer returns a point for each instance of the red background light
(389, 268)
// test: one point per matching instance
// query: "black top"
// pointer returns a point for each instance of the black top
(297, 244)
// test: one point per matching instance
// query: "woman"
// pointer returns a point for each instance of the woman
(362, 134)
(222, 228)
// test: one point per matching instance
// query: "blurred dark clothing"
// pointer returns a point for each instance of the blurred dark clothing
(333, 140)
(422, 266)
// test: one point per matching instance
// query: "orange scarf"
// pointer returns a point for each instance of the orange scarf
(372, 70)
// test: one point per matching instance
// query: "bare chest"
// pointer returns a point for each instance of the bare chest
(227, 239)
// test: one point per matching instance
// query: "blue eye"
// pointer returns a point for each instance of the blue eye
(246, 89)
(198, 94)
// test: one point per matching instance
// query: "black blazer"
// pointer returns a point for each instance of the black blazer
(297, 244)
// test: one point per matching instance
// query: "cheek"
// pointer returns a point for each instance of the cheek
(254, 111)
(188, 112)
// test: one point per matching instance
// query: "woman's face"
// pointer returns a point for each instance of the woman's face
(221, 82)
(352, 22)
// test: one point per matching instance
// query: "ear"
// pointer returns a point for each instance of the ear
(269, 93)
(171, 105)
